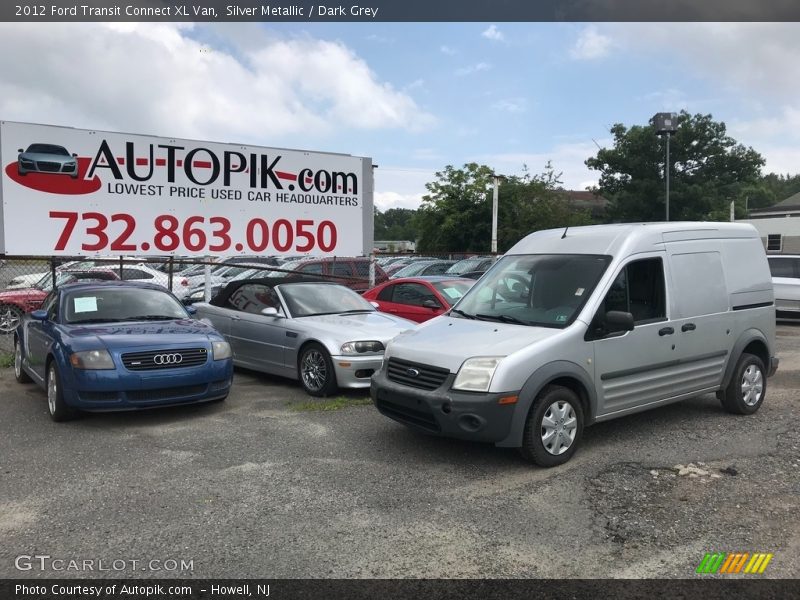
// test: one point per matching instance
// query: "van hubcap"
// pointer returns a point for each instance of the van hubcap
(313, 370)
(752, 385)
(559, 426)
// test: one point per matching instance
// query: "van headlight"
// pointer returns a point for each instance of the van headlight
(475, 375)
(220, 350)
(369, 347)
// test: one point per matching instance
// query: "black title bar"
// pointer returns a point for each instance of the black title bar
(399, 10)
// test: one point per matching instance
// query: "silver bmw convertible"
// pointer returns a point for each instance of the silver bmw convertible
(323, 334)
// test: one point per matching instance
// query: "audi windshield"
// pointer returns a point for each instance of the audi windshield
(546, 290)
(113, 304)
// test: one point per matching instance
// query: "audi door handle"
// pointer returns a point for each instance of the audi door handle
(666, 331)
(688, 327)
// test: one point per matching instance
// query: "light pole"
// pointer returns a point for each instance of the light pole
(666, 124)
(495, 197)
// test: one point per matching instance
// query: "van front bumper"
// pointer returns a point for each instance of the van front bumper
(465, 415)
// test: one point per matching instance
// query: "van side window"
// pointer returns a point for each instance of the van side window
(639, 290)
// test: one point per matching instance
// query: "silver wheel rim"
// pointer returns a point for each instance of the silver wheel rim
(559, 426)
(752, 385)
(9, 319)
(52, 390)
(313, 370)
(17, 360)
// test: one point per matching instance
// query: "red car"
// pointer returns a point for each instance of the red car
(418, 298)
(14, 303)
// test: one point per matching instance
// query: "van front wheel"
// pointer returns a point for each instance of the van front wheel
(554, 427)
(747, 388)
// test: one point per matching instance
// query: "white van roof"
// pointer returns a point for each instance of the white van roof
(627, 238)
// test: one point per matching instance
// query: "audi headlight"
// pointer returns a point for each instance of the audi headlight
(92, 359)
(361, 347)
(220, 350)
(475, 375)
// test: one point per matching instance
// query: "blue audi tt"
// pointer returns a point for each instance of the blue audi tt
(119, 346)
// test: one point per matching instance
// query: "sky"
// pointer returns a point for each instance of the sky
(414, 97)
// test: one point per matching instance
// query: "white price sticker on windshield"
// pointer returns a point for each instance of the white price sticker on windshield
(88, 304)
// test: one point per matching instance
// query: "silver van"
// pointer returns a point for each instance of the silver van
(580, 325)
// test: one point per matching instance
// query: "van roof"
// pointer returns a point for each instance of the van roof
(630, 237)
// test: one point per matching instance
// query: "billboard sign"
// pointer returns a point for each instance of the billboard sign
(69, 191)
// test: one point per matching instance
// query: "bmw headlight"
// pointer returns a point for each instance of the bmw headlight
(198, 294)
(220, 350)
(92, 359)
(370, 347)
(475, 375)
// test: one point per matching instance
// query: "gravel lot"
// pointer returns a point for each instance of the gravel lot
(260, 486)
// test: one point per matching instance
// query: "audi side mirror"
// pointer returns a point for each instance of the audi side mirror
(191, 310)
(39, 315)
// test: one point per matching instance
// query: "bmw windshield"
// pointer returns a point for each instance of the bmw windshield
(310, 299)
(546, 290)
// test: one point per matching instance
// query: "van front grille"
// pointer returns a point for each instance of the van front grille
(419, 418)
(416, 375)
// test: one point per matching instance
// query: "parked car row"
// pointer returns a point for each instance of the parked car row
(565, 330)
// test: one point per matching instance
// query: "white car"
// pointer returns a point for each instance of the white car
(785, 271)
(26, 281)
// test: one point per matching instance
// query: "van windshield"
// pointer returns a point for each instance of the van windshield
(546, 290)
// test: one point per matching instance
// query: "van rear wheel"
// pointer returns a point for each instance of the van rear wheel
(748, 386)
(554, 427)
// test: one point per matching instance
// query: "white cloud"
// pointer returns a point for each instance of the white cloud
(591, 45)
(494, 34)
(511, 105)
(469, 70)
(155, 78)
(567, 158)
(448, 50)
(386, 200)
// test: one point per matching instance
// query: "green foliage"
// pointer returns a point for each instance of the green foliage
(327, 405)
(395, 224)
(6, 360)
(456, 214)
(709, 169)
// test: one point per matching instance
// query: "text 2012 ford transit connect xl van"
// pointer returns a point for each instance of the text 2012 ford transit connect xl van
(576, 326)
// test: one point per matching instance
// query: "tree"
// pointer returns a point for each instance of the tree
(708, 170)
(395, 224)
(456, 214)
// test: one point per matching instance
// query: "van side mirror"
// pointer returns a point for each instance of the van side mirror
(617, 320)
(20, 150)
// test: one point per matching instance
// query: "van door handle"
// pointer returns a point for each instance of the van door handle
(666, 331)
(688, 327)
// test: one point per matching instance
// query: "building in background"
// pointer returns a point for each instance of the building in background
(778, 225)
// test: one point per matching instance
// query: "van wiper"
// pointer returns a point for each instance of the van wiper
(462, 313)
(504, 319)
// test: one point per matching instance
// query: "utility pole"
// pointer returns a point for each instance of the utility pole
(495, 196)
(666, 171)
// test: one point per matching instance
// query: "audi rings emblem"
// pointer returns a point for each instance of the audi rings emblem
(168, 359)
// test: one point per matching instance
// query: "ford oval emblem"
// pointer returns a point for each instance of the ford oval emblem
(412, 372)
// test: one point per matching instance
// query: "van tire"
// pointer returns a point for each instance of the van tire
(748, 374)
(533, 448)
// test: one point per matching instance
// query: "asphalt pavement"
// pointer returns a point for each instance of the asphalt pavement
(261, 486)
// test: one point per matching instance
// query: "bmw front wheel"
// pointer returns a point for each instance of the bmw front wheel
(316, 371)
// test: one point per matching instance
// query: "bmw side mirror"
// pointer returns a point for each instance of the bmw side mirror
(617, 320)
(39, 315)
(375, 304)
(270, 311)
(191, 310)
